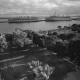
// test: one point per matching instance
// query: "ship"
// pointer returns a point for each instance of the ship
(58, 18)
(23, 19)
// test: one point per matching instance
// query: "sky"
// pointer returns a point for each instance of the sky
(39, 7)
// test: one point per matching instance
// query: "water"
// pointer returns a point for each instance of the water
(35, 26)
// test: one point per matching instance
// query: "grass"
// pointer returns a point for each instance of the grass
(31, 52)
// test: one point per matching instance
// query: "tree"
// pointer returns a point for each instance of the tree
(59, 27)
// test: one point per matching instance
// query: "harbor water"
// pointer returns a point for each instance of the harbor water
(35, 26)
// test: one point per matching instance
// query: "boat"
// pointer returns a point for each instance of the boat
(23, 19)
(58, 18)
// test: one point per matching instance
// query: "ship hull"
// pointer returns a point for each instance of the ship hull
(22, 21)
(58, 19)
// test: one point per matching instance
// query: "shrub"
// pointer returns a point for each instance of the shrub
(42, 71)
(62, 36)
(54, 33)
(70, 36)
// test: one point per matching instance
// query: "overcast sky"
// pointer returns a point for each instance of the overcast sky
(39, 7)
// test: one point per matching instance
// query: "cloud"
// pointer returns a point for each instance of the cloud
(41, 7)
(50, 5)
(73, 0)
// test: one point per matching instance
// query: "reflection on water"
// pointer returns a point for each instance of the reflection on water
(6, 27)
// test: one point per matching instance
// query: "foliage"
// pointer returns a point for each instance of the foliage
(20, 38)
(75, 27)
(42, 71)
(62, 36)
(3, 43)
(54, 33)
(70, 36)
(59, 27)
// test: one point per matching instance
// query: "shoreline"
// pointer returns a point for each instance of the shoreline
(3, 21)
